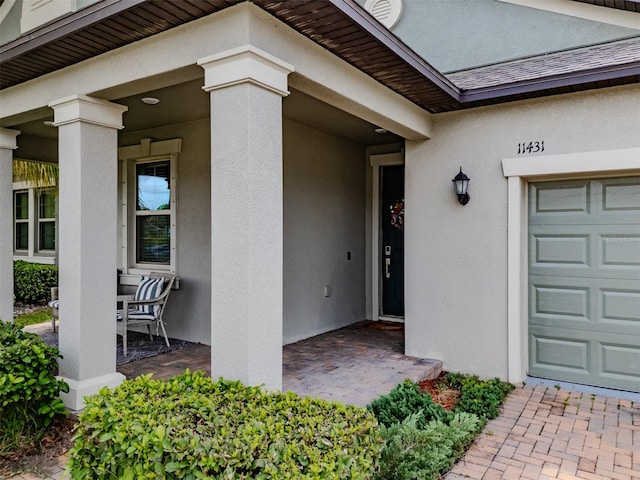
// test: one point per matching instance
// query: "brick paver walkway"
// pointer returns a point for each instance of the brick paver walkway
(546, 433)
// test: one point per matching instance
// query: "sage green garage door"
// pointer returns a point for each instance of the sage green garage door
(584, 281)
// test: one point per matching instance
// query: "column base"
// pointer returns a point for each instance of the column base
(74, 400)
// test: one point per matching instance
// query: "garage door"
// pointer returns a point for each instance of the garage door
(584, 281)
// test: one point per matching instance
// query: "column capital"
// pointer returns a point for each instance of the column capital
(81, 108)
(8, 138)
(245, 64)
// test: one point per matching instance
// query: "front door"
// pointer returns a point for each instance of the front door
(392, 182)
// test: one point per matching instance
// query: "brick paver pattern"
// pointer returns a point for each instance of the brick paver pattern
(549, 433)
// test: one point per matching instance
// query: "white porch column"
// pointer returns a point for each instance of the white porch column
(88, 160)
(7, 145)
(247, 86)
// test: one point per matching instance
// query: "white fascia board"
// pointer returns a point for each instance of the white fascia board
(320, 73)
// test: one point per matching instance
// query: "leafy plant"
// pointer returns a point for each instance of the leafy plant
(481, 397)
(28, 388)
(193, 427)
(405, 400)
(411, 452)
(422, 440)
(33, 281)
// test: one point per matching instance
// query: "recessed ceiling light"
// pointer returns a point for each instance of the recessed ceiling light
(150, 100)
(48, 123)
(380, 130)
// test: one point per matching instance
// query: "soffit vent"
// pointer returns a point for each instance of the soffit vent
(387, 12)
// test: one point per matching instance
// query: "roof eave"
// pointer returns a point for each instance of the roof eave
(533, 86)
(382, 34)
(64, 26)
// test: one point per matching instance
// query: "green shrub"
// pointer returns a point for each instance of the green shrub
(482, 397)
(32, 282)
(411, 452)
(28, 389)
(192, 427)
(405, 400)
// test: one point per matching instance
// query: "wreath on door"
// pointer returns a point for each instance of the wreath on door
(396, 209)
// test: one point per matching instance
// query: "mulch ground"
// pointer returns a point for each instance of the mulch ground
(439, 392)
(37, 458)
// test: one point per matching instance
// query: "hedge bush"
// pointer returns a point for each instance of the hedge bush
(28, 388)
(192, 427)
(405, 400)
(423, 440)
(425, 453)
(482, 397)
(32, 282)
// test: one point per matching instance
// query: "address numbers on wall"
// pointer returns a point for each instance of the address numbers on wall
(531, 147)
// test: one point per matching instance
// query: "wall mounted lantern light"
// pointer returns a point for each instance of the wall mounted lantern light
(461, 184)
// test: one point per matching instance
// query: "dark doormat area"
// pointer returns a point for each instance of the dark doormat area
(139, 345)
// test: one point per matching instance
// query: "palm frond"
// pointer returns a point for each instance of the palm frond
(38, 173)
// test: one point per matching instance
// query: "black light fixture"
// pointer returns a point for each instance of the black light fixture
(461, 184)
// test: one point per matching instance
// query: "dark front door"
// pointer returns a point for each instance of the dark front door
(392, 240)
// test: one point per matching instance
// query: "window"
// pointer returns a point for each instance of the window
(34, 218)
(21, 218)
(148, 174)
(153, 212)
(46, 220)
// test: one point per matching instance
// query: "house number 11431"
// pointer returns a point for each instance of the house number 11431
(531, 147)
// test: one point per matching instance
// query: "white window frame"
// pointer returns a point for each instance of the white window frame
(131, 156)
(33, 253)
(26, 221)
(40, 220)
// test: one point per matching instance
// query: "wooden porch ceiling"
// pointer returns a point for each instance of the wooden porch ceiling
(340, 26)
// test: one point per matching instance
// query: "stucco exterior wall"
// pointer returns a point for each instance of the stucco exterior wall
(324, 232)
(456, 268)
(324, 218)
(188, 310)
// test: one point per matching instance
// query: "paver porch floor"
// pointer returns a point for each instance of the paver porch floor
(353, 365)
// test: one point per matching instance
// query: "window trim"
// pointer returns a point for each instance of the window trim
(39, 220)
(130, 156)
(33, 253)
(16, 221)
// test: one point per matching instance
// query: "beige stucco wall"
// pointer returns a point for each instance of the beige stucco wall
(188, 311)
(456, 268)
(324, 219)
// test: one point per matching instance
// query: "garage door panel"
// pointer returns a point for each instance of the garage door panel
(621, 362)
(621, 249)
(561, 250)
(603, 251)
(567, 355)
(621, 196)
(552, 352)
(584, 281)
(620, 307)
(597, 304)
(552, 304)
(561, 198)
